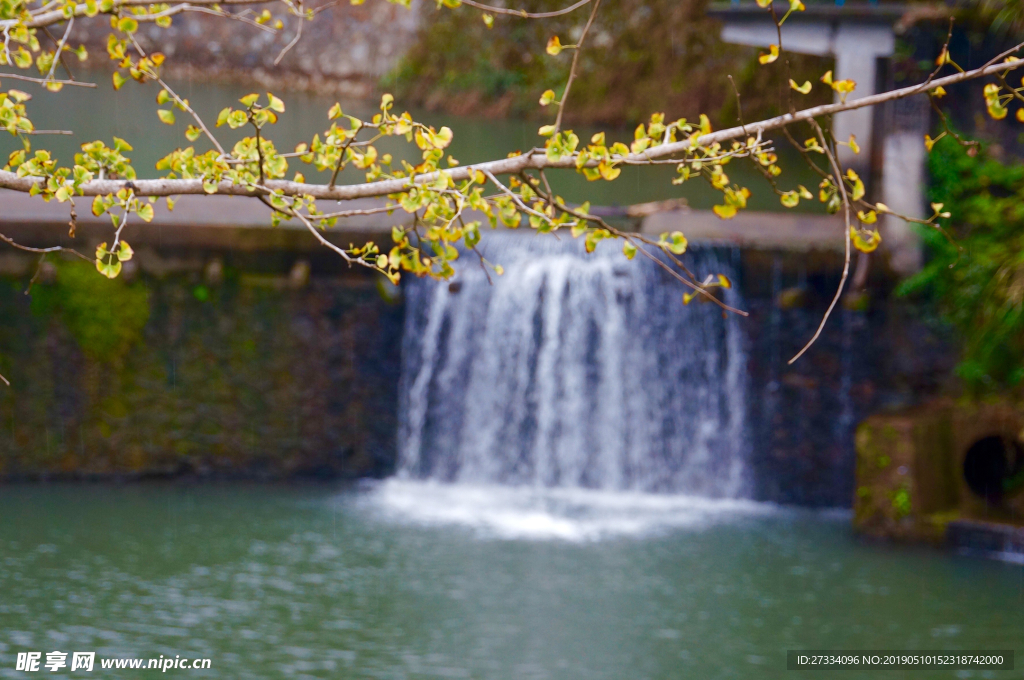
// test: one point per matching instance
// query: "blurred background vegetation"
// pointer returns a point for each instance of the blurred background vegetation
(650, 55)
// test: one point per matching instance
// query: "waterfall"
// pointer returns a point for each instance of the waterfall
(573, 370)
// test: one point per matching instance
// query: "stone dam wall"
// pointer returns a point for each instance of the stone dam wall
(276, 361)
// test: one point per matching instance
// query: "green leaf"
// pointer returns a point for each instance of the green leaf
(629, 250)
(119, 80)
(125, 252)
(275, 103)
(110, 269)
(145, 212)
(128, 25)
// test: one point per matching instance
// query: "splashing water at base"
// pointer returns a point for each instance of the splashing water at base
(573, 371)
(532, 513)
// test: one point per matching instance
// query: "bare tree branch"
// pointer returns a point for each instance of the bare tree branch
(535, 160)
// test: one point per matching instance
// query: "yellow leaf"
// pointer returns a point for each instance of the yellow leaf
(608, 171)
(796, 6)
(554, 46)
(854, 147)
(827, 78)
(165, 116)
(865, 242)
(802, 89)
(858, 185)
(488, 21)
(771, 55)
(726, 212)
(869, 217)
(939, 92)
(547, 97)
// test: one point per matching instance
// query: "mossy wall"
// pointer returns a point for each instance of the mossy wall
(249, 375)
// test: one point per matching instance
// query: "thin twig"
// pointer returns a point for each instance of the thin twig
(575, 62)
(57, 57)
(54, 249)
(291, 44)
(846, 261)
(41, 81)
(523, 13)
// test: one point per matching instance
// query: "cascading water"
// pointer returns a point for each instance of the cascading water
(573, 370)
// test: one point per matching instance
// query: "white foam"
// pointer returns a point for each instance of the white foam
(532, 513)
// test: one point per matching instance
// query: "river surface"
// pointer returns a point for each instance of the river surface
(419, 580)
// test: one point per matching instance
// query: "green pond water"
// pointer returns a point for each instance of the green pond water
(130, 113)
(409, 580)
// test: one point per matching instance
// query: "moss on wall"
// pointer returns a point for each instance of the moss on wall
(151, 378)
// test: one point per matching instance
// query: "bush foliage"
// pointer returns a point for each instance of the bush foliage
(979, 289)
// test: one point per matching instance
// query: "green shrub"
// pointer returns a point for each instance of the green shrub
(978, 286)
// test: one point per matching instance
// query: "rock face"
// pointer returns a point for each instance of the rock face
(347, 48)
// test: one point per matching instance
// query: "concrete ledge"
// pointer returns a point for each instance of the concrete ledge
(986, 539)
(196, 221)
(242, 223)
(758, 230)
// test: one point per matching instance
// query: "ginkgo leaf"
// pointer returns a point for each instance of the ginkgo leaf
(869, 217)
(857, 192)
(865, 241)
(802, 89)
(726, 212)
(771, 55)
(547, 97)
(555, 46)
(275, 103)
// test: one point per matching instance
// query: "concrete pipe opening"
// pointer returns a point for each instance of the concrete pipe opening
(994, 468)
